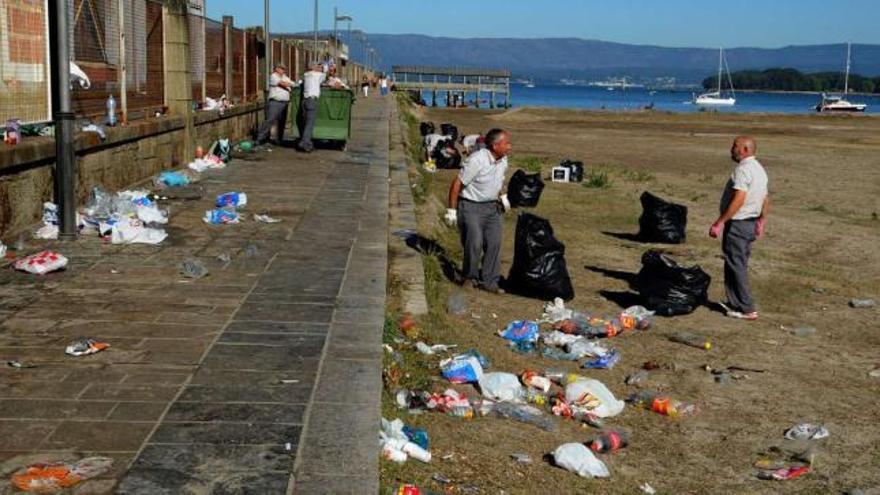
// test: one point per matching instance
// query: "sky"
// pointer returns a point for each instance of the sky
(676, 23)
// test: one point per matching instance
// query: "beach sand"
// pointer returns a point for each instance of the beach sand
(822, 248)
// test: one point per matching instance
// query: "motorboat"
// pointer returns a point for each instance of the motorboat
(834, 104)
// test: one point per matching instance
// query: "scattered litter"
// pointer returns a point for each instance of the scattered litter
(234, 199)
(691, 339)
(397, 445)
(430, 350)
(501, 386)
(15, 363)
(518, 331)
(806, 431)
(536, 381)
(582, 348)
(556, 311)
(585, 396)
(407, 324)
(637, 377)
(41, 263)
(288, 446)
(114, 271)
(577, 458)
(221, 216)
(173, 179)
(604, 362)
(522, 458)
(265, 218)
(193, 269)
(646, 488)
(457, 303)
(538, 269)
(862, 303)
(133, 231)
(206, 163)
(96, 129)
(462, 368)
(46, 232)
(875, 373)
(224, 258)
(439, 478)
(50, 477)
(803, 331)
(523, 413)
(784, 473)
(288, 382)
(85, 346)
(610, 441)
(661, 404)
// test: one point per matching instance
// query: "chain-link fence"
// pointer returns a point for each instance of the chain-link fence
(24, 61)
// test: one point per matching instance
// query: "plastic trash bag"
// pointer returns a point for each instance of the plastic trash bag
(426, 128)
(670, 289)
(173, 179)
(132, 231)
(85, 346)
(41, 263)
(662, 221)
(524, 190)
(463, 368)
(504, 387)
(220, 216)
(582, 348)
(593, 396)
(521, 331)
(446, 155)
(235, 199)
(539, 270)
(577, 458)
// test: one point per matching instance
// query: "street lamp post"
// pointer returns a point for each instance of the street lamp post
(336, 19)
(268, 41)
(316, 30)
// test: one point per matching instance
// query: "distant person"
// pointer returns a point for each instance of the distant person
(473, 143)
(333, 80)
(312, 81)
(365, 87)
(745, 205)
(475, 205)
(383, 85)
(276, 107)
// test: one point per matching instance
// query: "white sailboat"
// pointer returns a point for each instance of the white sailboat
(714, 98)
(839, 103)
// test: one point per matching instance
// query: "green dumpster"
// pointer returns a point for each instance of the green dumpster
(334, 115)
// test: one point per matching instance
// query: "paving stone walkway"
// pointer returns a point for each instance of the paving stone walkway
(263, 377)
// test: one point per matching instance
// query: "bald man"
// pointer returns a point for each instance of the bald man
(745, 205)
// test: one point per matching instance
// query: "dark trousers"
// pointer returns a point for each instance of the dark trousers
(276, 111)
(310, 114)
(737, 247)
(480, 227)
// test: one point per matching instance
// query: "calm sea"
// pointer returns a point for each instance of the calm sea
(561, 96)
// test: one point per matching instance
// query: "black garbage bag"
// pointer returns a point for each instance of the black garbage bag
(446, 155)
(670, 289)
(539, 269)
(426, 128)
(449, 130)
(662, 221)
(576, 170)
(524, 189)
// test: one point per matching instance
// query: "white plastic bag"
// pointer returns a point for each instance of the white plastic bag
(500, 386)
(582, 348)
(41, 263)
(594, 396)
(577, 458)
(132, 231)
(556, 311)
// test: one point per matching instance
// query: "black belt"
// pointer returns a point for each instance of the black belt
(477, 202)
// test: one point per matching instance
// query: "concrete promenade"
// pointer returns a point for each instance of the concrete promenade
(263, 377)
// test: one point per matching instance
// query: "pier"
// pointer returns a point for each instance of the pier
(455, 82)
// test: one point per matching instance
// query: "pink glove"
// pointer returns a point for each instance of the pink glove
(759, 228)
(715, 229)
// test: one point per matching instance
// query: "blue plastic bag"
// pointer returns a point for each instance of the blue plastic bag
(462, 368)
(605, 362)
(520, 331)
(173, 179)
(232, 199)
(218, 217)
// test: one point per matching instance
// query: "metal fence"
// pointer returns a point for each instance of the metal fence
(24, 61)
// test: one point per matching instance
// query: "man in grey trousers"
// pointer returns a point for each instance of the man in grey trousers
(276, 107)
(311, 95)
(745, 205)
(476, 206)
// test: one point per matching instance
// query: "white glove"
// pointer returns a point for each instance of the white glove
(505, 202)
(451, 217)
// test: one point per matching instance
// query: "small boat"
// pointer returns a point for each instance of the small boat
(714, 98)
(834, 104)
(530, 84)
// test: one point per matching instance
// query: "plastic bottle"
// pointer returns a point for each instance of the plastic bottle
(862, 303)
(417, 436)
(111, 110)
(691, 339)
(466, 412)
(661, 404)
(533, 396)
(610, 441)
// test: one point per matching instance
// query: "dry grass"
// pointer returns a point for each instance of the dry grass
(823, 233)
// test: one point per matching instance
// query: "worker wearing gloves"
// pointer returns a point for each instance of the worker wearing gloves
(476, 206)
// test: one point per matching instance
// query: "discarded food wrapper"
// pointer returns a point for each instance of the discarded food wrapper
(556, 311)
(50, 477)
(220, 217)
(85, 346)
(806, 431)
(265, 218)
(577, 458)
(592, 395)
(646, 488)
(521, 330)
(41, 263)
(234, 198)
(783, 474)
(462, 368)
(430, 350)
(224, 258)
(521, 458)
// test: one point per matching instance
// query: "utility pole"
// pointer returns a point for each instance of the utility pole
(65, 157)
(268, 41)
(336, 19)
(316, 31)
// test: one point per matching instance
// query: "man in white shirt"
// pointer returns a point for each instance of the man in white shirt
(475, 206)
(276, 107)
(745, 205)
(312, 81)
(333, 80)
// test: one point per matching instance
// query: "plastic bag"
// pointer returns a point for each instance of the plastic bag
(670, 289)
(51, 477)
(594, 396)
(556, 311)
(235, 199)
(523, 413)
(582, 348)
(220, 216)
(41, 263)
(524, 190)
(462, 368)
(132, 231)
(521, 331)
(504, 387)
(426, 128)
(173, 179)
(577, 458)
(539, 270)
(446, 155)
(662, 221)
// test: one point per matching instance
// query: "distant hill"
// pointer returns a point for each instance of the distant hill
(554, 58)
